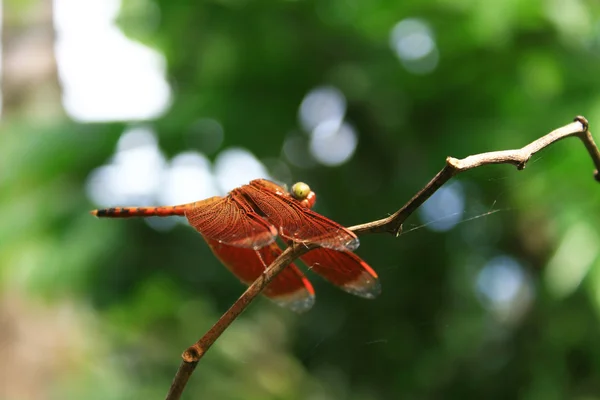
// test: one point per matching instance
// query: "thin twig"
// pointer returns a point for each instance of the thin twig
(518, 158)
(196, 351)
(391, 224)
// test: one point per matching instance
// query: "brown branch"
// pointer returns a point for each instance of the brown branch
(196, 351)
(391, 224)
(454, 166)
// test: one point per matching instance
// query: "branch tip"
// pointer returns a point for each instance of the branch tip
(583, 121)
(452, 162)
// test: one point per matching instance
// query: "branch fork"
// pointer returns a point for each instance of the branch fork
(392, 224)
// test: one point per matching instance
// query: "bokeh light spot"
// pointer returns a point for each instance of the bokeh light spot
(442, 211)
(104, 75)
(504, 288)
(500, 279)
(134, 175)
(572, 260)
(320, 105)
(188, 179)
(332, 143)
(414, 44)
(235, 167)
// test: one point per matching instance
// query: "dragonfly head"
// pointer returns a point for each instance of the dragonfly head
(301, 192)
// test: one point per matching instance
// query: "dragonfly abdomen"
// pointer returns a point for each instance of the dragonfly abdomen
(128, 212)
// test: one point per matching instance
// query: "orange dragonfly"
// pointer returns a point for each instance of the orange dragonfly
(241, 229)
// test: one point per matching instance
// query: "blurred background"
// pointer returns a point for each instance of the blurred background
(493, 291)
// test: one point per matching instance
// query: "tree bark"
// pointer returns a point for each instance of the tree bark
(30, 85)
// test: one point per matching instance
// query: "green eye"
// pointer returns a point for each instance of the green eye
(300, 191)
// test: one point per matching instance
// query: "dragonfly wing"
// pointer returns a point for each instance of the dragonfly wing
(296, 222)
(231, 221)
(290, 288)
(345, 270)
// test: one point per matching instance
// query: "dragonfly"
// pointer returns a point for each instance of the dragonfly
(242, 227)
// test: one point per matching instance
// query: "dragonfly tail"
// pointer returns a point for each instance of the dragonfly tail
(129, 212)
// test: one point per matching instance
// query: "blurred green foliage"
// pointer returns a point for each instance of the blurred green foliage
(508, 72)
